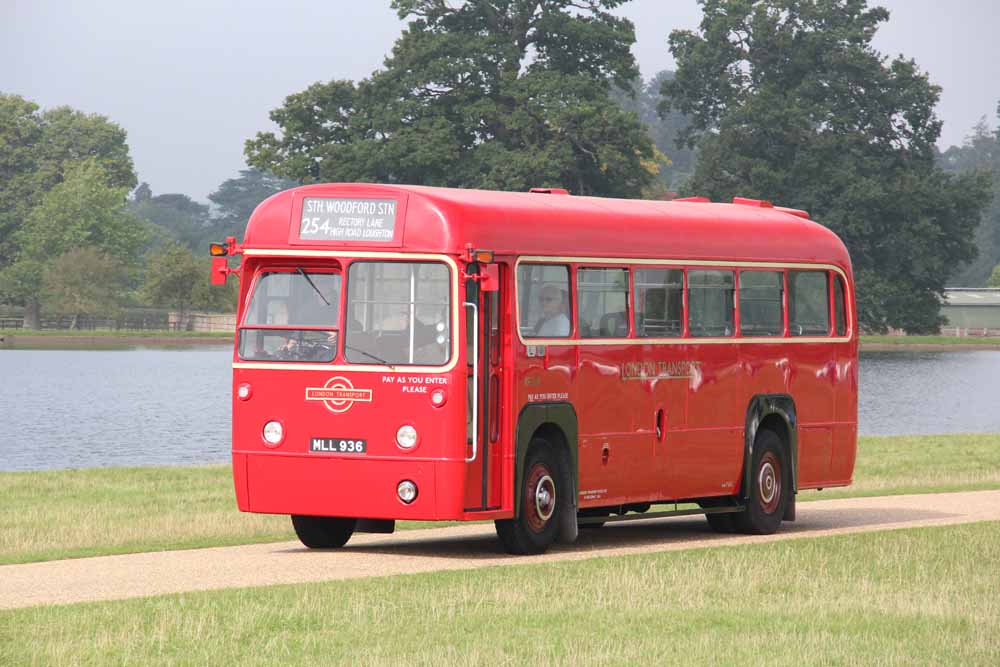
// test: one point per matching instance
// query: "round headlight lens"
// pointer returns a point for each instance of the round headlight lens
(274, 433)
(244, 391)
(406, 436)
(407, 491)
(438, 397)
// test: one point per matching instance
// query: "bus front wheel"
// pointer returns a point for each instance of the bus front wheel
(769, 487)
(323, 532)
(544, 483)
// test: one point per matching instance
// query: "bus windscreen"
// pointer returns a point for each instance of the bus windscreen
(293, 316)
(398, 313)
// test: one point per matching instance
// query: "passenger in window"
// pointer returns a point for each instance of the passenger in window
(554, 322)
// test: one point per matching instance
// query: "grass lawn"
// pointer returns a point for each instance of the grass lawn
(909, 597)
(97, 511)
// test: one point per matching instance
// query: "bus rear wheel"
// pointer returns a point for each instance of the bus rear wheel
(769, 487)
(323, 532)
(543, 485)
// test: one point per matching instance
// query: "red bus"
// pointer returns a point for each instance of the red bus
(538, 359)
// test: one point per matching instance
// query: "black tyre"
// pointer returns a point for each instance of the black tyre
(594, 513)
(544, 489)
(721, 523)
(769, 487)
(323, 532)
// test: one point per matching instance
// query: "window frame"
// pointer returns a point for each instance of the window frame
(576, 328)
(449, 308)
(570, 296)
(782, 301)
(733, 270)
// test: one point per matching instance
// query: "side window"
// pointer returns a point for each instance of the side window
(839, 311)
(603, 302)
(543, 300)
(659, 303)
(808, 303)
(760, 303)
(710, 303)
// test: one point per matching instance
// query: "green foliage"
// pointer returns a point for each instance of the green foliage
(980, 152)
(35, 150)
(176, 279)
(643, 99)
(174, 217)
(237, 197)
(995, 277)
(788, 101)
(503, 94)
(84, 281)
(81, 211)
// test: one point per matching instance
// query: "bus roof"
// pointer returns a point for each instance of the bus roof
(446, 219)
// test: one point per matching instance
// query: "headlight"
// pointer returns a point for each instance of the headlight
(406, 437)
(274, 433)
(438, 397)
(407, 491)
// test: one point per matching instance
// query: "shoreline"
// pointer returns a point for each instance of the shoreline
(8, 340)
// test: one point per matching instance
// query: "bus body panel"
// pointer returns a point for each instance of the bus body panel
(627, 452)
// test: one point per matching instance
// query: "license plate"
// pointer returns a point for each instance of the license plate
(337, 445)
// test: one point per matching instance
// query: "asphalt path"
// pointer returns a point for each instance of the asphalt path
(452, 548)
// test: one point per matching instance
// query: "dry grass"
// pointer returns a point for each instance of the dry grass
(922, 596)
(73, 513)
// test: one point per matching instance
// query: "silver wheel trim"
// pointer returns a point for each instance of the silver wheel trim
(545, 498)
(767, 483)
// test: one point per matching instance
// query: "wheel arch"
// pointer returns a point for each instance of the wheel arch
(774, 412)
(557, 423)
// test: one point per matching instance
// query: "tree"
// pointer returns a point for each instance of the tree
(35, 150)
(980, 152)
(80, 211)
(84, 281)
(237, 197)
(643, 99)
(175, 278)
(995, 277)
(788, 101)
(174, 217)
(503, 94)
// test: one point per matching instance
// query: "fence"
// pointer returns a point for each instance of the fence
(132, 320)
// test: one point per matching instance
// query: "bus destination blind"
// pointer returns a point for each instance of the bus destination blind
(340, 219)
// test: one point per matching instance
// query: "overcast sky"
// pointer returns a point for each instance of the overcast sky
(191, 80)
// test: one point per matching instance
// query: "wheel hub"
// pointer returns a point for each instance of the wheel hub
(769, 483)
(540, 497)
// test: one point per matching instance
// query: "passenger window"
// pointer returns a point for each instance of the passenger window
(543, 300)
(603, 302)
(710, 303)
(839, 312)
(808, 303)
(659, 303)
(760, 303)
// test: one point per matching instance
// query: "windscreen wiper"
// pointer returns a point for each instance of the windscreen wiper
(312, 284)
(368, 354)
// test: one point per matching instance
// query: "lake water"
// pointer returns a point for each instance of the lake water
(144, 406)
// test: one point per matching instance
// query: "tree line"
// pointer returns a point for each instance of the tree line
(74, 242)
(784, 100)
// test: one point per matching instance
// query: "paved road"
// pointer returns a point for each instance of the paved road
(452, 548)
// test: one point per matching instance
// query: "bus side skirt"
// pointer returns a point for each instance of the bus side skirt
(561, 416)
(760, 408)
(640, 516)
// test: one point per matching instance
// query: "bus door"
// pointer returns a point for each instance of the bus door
(484, 312)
